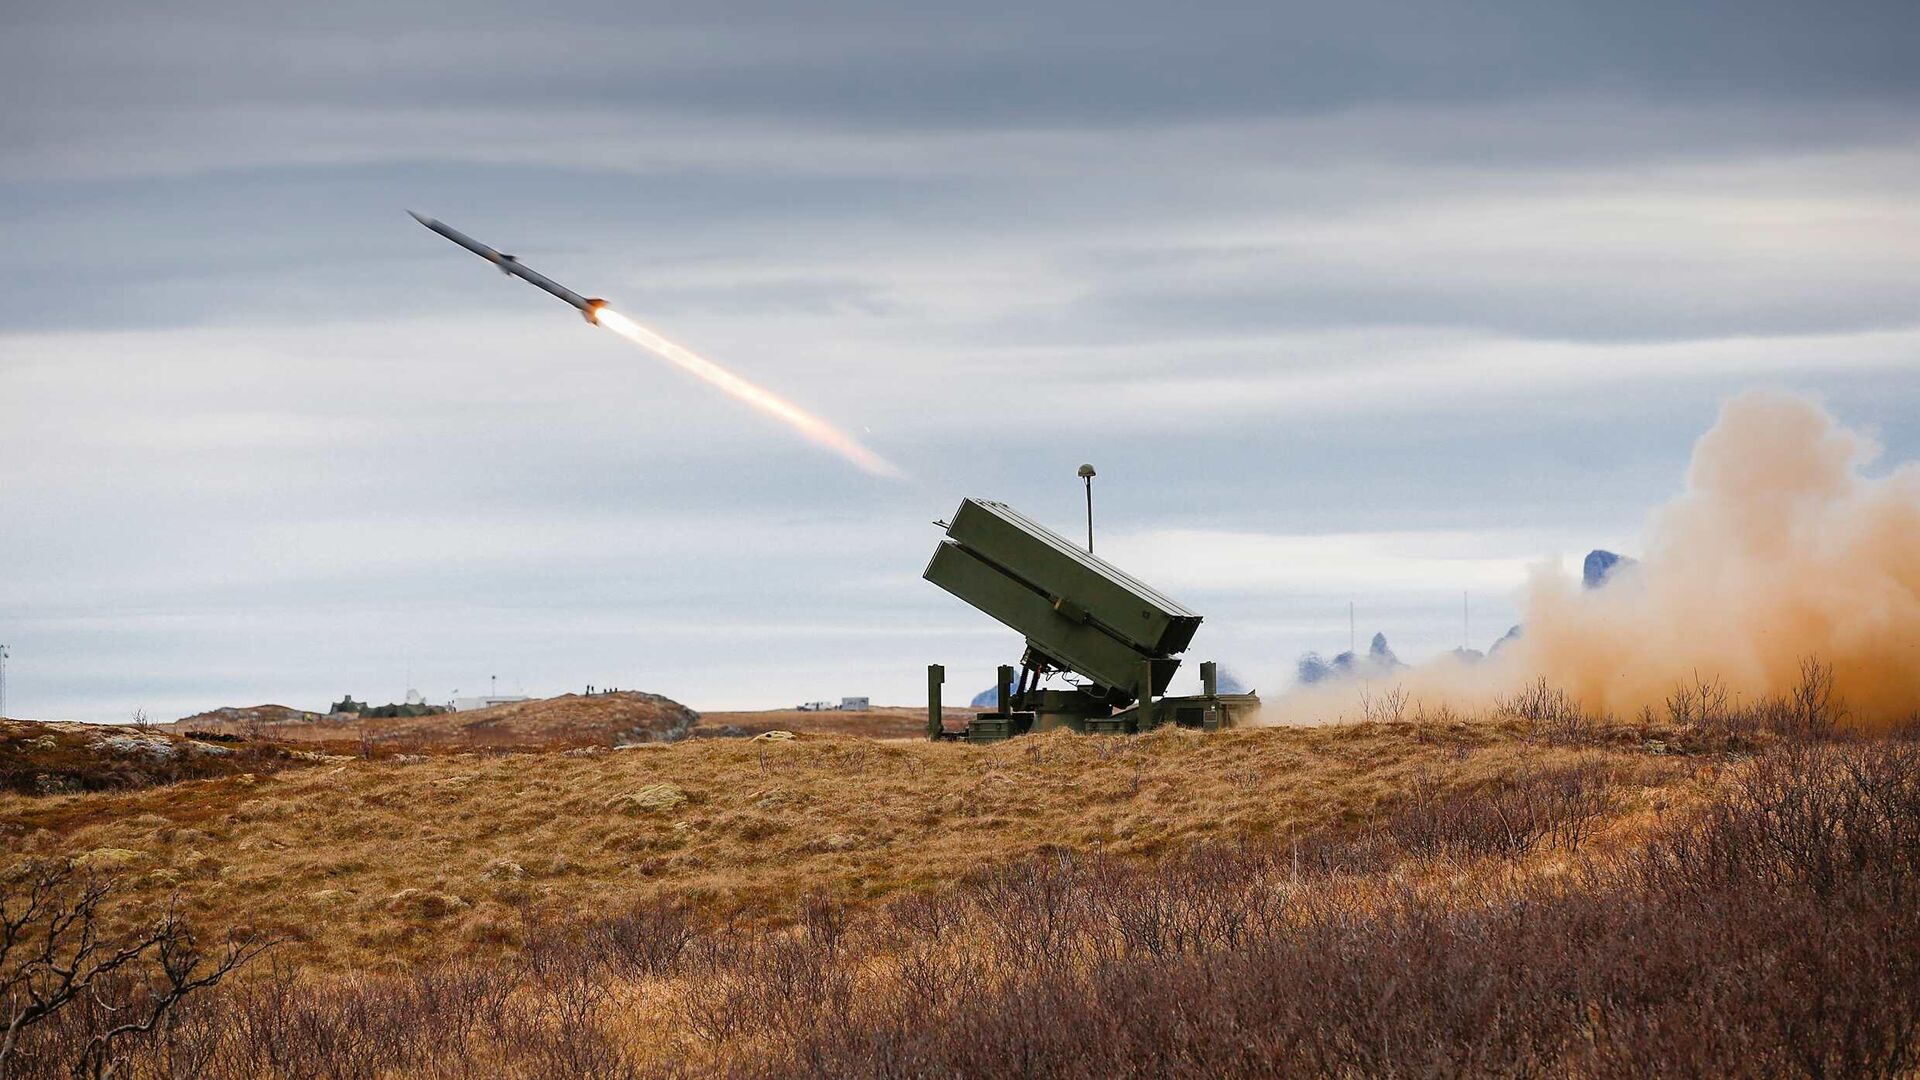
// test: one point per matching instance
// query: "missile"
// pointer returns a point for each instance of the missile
(589, 305)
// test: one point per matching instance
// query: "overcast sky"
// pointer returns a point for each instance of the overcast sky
(1377, 302)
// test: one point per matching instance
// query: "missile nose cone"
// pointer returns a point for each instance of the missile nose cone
(418, 218)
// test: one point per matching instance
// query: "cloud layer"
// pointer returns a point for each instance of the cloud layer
(1375, 303)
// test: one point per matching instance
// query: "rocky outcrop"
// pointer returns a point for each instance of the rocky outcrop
(1601, 565)
(1378, 660)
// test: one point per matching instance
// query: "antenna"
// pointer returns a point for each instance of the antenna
(3, 680)
(1086, 473)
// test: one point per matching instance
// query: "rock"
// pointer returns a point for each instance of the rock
(424, 903)
(136, 744)
(774, 736)
(1601, 565)
(106, 858)
(505, 870)
(1512, 635)
(648, 799)
(1379, 661)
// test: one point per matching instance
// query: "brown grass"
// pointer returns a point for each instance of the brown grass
(65, 758)
(880, 722)
(1532, 894)
(377, 864)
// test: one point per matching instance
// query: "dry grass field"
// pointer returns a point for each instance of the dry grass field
(1536, 892)
(879, 722)
(379, 864)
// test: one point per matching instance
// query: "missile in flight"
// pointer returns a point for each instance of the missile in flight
(589, 305)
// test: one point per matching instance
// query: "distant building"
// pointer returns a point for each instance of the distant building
(468, 704)
(855, 704)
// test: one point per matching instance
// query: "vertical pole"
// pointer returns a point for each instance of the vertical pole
(1086, 474)
(1145, 711)
(936, 674)
(1089, 515)
(1006, 689)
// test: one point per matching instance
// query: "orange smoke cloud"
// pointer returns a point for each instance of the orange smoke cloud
(1779, 549)
(808, 425)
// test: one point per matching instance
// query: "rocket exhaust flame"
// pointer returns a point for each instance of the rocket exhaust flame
(816, 430)
(595, 311)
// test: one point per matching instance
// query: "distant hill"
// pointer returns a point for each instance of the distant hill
(622, 717)
(1599, 567)
(1602, 565)
(234, 717)
(1512, 635)
(1378, 660)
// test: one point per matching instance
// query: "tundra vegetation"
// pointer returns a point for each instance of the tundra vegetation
(1716, 888)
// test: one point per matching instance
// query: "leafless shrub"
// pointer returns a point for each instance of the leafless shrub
(1814, 710)
(1426, 719)
(1032, 909)
(1675, 963)
(1384, 706)
(1549, 713)
(785, 984)
(74, 996)
(648, 938)
(920, 916)
(1545, 809)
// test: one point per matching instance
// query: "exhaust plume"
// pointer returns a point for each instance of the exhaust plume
(808, 425)
(1779, 549)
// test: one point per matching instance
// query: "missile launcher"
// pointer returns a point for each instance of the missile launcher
(1117, 638)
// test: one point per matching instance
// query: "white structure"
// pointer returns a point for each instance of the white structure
(855, 704)
(468, 704)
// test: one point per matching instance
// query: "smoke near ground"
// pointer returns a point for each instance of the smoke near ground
(1781, 548)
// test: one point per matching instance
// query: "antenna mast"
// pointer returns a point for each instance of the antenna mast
(3, 680)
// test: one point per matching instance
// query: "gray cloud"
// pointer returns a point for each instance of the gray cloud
(1321, 270)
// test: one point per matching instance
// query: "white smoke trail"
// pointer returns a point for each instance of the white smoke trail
(808, 425)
